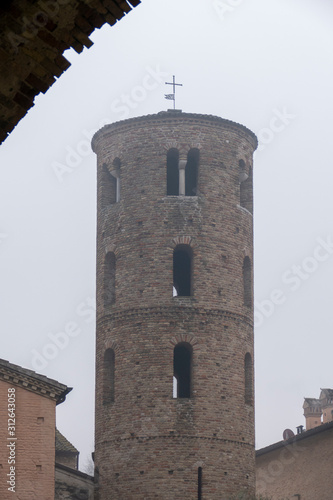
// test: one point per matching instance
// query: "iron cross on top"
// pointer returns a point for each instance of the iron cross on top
(172, 97)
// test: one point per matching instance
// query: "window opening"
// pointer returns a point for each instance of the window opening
(248, 379)
(246, 187)
(191, 173)
(108, 382)
(174, 387)
(247, 282)
(199, 483)
(172, 172)
(182, 270)
(116, 174)
(182, 361)
(109, 187)
(110, 279)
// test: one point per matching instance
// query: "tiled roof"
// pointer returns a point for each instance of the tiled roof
(298, 437)
(33, 37)
(310, 402)
(326, 393)
(63, 445)
(32, 381)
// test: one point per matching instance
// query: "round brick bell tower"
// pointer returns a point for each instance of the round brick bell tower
(174, 350)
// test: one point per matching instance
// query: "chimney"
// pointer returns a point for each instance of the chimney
(326, 400)
(312, 413)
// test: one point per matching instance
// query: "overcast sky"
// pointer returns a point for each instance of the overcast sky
(264, 63)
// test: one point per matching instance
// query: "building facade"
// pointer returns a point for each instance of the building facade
(318, 411)
(27, 432)
(299, 468)
(174, 347)
(71, 484)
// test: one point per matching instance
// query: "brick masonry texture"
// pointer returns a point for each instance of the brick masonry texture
(35, 445)
(147, 443)
(301, 466)
(33, 37)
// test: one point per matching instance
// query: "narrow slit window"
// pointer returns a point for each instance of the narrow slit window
(247, 282)
(116, 174)
(191, 173)
(108, 382)
(248, 379)
(172, 172)
(109, 187)
(246, 187)
(182, 270)
(199, 483)
(110, 279)
(182, 367)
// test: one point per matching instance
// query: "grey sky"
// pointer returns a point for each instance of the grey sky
(265, 64)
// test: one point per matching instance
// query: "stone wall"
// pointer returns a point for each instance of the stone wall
(72, 485)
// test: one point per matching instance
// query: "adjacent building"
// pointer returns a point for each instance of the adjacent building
(300, 467)
(36, 460)
(27, 432)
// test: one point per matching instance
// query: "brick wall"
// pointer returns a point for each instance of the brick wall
(149, 444)
(298, 467)
(34, 447)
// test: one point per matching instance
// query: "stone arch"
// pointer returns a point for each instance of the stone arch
(116, 163)
(182, 240)
(195, 145)
(183, 337)
(111, 344)
(111, 247)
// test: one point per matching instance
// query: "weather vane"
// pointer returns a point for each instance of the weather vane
(172, 97)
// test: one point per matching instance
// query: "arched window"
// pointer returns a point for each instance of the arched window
(172, 172)
(109, 187)
(247, 282)
(246, 187)
(182, 368)
(191, 173)
(182, 270)
(248, 373)
(109, 279)
(116, 174)
(108, 376)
